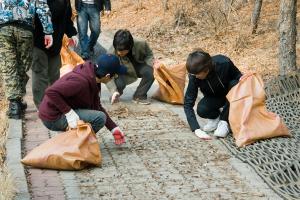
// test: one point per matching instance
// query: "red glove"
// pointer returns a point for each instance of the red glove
(118, 135)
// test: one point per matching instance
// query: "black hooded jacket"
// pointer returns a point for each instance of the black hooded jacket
(100, 4)
(217, 84)
(62, 24)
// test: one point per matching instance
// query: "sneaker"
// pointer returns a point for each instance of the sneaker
(202, 135)
(14, 110)
(222, 130)
(211, 125)
(141, 101)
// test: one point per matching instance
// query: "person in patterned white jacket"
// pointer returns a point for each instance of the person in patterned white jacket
(16, 44)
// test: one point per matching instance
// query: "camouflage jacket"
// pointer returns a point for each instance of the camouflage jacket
(21, 12)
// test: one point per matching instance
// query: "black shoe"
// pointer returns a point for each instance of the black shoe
(14, 109)
(23, 105)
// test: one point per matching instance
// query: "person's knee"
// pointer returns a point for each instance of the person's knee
(203, 111)
(99, 121)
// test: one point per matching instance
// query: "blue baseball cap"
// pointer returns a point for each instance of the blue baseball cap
(109, 64)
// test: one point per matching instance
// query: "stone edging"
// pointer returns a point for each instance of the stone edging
(13, 158)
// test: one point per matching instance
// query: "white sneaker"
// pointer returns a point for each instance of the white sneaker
(222, 130)
(202, 135)
(211, 125)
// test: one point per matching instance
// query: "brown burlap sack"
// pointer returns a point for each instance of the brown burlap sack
(248, 117)
(171, 82)
(69, 58)
(71, 150)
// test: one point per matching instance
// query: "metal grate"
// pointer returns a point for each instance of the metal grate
(277, 160)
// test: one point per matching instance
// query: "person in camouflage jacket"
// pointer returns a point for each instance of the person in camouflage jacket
(16, 44)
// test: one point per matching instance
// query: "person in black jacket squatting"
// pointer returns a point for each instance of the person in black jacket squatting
(214, 76)
(47, 62)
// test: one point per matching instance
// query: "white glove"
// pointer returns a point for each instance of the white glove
(115, 97)
(48, 40)
(202, 135)
(72, 118)
(75, 40)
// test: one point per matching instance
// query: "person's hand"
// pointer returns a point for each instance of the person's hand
(48, 40)
(72, 118)
(115, 97)
(73, 41)
(202, 135)
(119, 136)
(107, 12)
(156, 64)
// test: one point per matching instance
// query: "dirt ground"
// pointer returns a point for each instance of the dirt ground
(205, 24)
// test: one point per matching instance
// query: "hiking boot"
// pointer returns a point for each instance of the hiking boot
(211, 125)
(14, 109)
(222, 130)
(23, 105)
(141, 101)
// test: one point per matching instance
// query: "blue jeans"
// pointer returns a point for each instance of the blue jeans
(96, 118)
(88, 14)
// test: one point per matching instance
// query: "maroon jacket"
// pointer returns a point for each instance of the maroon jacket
(77, 90)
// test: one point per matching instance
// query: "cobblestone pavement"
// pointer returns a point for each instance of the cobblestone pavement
(161, 160)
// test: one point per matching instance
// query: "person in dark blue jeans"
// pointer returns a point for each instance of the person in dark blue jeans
(214, 76)
(89, 14)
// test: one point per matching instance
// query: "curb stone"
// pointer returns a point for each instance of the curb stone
(13, 155)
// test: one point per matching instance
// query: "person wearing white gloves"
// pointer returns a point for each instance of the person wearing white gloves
(214, 76)
(75, 97)
(47, 61)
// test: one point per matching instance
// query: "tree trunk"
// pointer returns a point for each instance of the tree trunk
(287, 36)
(255, 15)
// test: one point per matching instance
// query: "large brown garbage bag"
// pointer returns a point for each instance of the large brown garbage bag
(171, 82)
(248, 117)
(71, 150)
(69, 58)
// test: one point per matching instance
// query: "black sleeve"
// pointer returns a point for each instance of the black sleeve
(107, 5)
(189, 102)
(70, 30)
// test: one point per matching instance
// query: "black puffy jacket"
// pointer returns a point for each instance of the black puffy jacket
(100, 5)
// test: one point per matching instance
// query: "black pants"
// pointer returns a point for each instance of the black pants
(209, 108)
(143, 71)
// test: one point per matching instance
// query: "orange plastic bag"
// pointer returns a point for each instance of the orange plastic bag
(71, 150)
(69, 58)
(171, 82)
(248, 117)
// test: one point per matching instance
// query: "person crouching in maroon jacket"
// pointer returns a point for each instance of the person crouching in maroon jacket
(75, 97)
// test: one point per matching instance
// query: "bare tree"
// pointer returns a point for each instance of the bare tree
(287, 36)
(255, 15)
